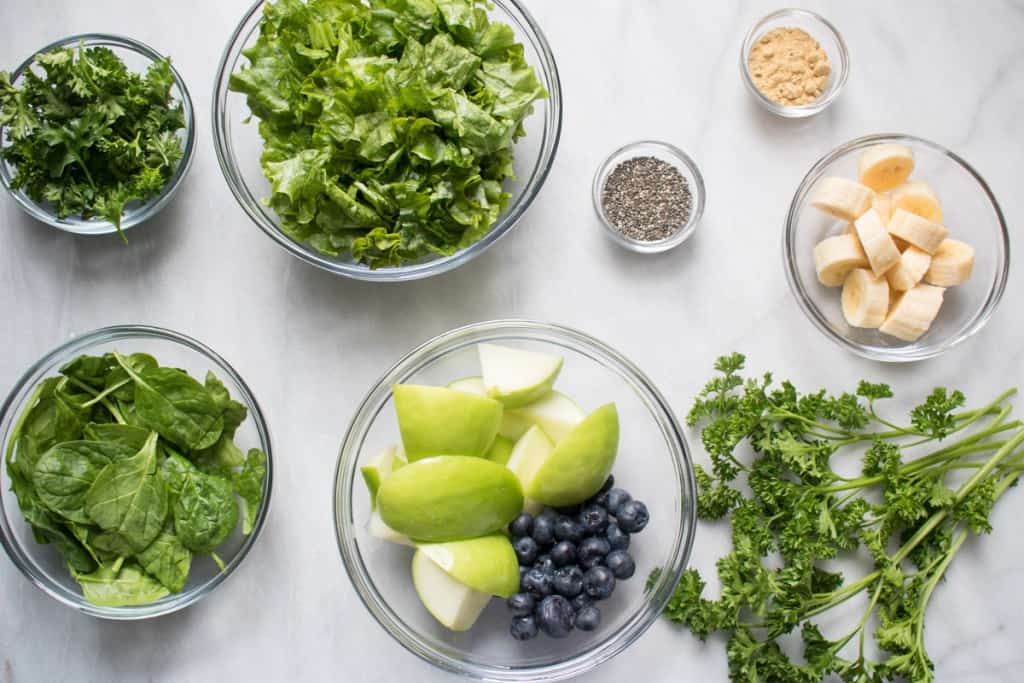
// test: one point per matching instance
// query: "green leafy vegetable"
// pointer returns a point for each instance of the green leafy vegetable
(205, 512)
(121, 587)
(89, 136)
(249, 486)
(167, 560)
(389, 124)
(910, 515)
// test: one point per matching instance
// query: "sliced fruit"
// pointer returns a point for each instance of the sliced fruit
(911, 268)
(878, 246)
(487, 564)
(513, 425)
(378, 529)
(471, 385)
(917, 231)
(378, 469)
(841, 197)
(516, 376)
(884, 166)
(454, 604)
(882, 203)
(556, 414)
(449, 497)
(501, 450)
(444, 421)
(530, 452)
(835, 257)
(952, 264)
(918, 198)
(865, 299)
(913, 313)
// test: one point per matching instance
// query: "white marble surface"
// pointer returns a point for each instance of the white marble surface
(310, 343)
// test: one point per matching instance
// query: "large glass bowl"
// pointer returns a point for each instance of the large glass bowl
(137, 57)
(238, 144)
(653, 464)
(971, 215)
(41, 564)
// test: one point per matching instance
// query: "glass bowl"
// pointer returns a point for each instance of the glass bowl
(669, 154)
(41, 564)
(971, 214)
(829, 39)
(137, 57)
(653, 464)
(239, 146)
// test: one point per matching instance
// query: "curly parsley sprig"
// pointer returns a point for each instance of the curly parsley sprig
(801, 511)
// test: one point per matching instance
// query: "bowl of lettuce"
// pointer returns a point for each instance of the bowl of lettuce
(386, 140)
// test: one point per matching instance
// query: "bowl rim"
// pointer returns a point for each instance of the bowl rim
(174, 602)
(811, 310)
(698, 192)
(803, 110)
(252, 205)
(146, 210)
(655, 600)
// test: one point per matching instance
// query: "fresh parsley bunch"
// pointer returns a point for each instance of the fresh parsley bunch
(89, 136)
(905, 518)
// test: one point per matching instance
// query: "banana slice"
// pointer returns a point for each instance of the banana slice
(910, 270)
(920, 232)
(913, 313)
(882, 203)
(835, 257)
(878, 245)
(841, 197)
(917, 197)
(865, 298)
(883, 167)
(952, 264)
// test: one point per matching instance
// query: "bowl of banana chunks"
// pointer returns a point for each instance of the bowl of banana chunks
(896, 248)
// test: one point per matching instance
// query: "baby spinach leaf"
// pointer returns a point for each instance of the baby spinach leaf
(234, 413)
(205, 512)
(118, 380)
(248, 484)
(123, 587)
(125, 435)
(129, 499)
(220, 459)
(167, 560)
(64, 474)
(90, 370)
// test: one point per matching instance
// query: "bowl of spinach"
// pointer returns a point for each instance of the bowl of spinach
(385, 140)
(136, 474)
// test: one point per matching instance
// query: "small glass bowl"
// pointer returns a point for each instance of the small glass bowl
(653, 464)
(137, 57)
(669, 154)
(41, 564)
(829, 39)
(239, 146)
(971, 213)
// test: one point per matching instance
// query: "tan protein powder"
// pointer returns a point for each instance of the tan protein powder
(789, 67)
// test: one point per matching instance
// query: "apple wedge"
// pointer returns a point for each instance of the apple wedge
(471, 385)
(516, 376)
(487, 564)
(444, 421)
(555, 413)
(501, 450)
(378, 529)
(378, 469)
(454, 604)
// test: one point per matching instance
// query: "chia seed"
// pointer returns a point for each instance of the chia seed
(646, 199)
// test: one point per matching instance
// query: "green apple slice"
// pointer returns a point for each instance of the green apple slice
(449, 497)
(530, 452)
(378, 529)
(454, 604)
(501, 450)
(556, 414)
(471, 385)
(444, 421)
(375, 471)
(516, 376)
(487, 564)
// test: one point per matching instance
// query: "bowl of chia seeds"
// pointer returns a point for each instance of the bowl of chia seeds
(649, 196)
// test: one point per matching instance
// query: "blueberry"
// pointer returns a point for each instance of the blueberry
(632, 516)
(545, 564)
(564, 553)
(588, 618)
(544, 530)
(526, 550)
(617, 538)
(537, 583)
(524, 628)
(581, 601)
(594, 519)
(522, 573)
(555, 616)
(521, 604)
(599, 582)
(621, 563)
(568, 529)
(608, 484)
(569, 510)
(568, 582)
(614, 500)
(521, 525)
(592, 551)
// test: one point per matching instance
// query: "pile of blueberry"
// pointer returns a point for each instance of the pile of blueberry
(569, 559)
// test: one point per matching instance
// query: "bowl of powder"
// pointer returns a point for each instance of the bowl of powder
(794, 62)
